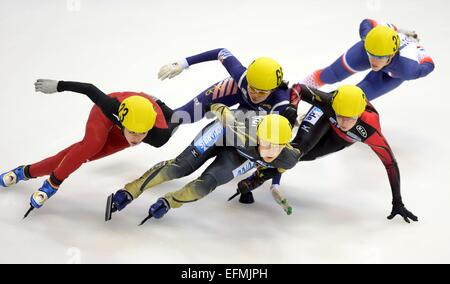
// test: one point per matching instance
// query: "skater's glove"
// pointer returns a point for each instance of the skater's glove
(247, 185)
(254, 181)
(291, 114)
(222, 112)
(208, 112)
(172, 70)
(412, 35)
(399, 209)
(280, 199)
(46, 86)
(295, 95)
(257, 179)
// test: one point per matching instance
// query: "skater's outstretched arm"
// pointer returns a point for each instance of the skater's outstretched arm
(381, 147)
(311, 96)
(229, 61)
(108, 105)
(229, 121)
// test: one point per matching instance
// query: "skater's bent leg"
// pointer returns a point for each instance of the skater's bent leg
(185, 164)
(115, 142)
(330, 143)
(376, 84)
(193, 191)
(224, 169)
(354, 60)
(47, 166)
(97, 131)
(97, 128)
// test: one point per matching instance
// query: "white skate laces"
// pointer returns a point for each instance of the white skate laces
(10, 179)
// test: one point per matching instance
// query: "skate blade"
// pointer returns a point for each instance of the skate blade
(146, 219)
(108, 211)
(28, 212)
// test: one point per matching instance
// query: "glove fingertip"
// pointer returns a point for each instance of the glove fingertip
(289, 211)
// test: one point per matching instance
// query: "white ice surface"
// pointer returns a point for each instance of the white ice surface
(340, 202)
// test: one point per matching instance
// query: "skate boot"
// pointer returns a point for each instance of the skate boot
(247, 198)
(38, 198)
(43, 194)
(117, 202)
(157, 210)
(13, 177)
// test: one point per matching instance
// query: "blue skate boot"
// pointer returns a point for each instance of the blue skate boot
(157, 210)
(117, 202)
(43, 194)
(13, 177)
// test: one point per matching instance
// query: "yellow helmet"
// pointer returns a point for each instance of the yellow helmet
(137, 114)
(382, 41)
(275, 129)
(349, 101)
(264, 74)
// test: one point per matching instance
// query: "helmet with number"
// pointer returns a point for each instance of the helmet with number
(382, 41)
(275, 129)
(264, 74)
(137, 114)
(349, 101)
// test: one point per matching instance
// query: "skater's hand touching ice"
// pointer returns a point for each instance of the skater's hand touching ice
(399, 209)
(280, 199)
(172, 70)
(46, 86)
